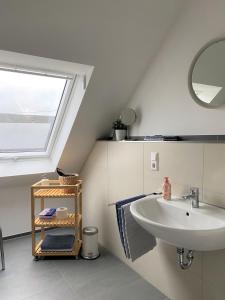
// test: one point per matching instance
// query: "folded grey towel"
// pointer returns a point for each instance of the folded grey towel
(124, 234)
(119, 205)
(137, 240)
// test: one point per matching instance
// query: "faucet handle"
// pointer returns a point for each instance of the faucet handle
(185, 197)
(194, 192)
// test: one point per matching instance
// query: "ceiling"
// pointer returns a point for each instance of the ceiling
(119, 38)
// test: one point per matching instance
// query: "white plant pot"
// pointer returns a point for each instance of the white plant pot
(120, 134)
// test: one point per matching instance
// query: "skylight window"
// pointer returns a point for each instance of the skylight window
(39, 102)
(29, 104)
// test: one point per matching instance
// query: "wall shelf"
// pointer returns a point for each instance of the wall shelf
(181, 139)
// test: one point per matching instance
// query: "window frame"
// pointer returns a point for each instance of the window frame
(22, 163)
(58, 118)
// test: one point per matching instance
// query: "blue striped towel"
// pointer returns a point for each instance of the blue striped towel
(136, 241)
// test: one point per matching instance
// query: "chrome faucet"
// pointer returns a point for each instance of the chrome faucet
(194, 196)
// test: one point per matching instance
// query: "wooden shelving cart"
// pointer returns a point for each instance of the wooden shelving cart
(46, 189)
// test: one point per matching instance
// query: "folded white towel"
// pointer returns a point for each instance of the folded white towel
(137, 240)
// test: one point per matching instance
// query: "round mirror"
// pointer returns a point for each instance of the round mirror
(207, 75)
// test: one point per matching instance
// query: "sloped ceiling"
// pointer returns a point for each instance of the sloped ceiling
(119, 38)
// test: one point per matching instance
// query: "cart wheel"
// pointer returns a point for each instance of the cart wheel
(77, 257)
(36, 258)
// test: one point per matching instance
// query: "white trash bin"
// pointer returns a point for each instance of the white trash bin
(90, 243)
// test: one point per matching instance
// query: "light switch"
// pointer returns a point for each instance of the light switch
(154, 161)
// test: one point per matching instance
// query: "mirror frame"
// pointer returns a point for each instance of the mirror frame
(193, 63)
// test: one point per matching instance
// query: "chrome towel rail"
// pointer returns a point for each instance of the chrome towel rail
(151, 194)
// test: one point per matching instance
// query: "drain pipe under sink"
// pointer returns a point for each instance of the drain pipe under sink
(184, 263)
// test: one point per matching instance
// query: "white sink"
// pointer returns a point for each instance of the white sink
(178, 224)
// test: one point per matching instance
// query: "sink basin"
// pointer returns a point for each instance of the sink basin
(177, 223)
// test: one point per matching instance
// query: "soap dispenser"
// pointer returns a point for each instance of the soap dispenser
(166, 189)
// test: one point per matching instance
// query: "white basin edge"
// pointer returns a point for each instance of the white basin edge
(184, 205)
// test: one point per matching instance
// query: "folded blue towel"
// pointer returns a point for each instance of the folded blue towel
(119, 205)
(53, 242)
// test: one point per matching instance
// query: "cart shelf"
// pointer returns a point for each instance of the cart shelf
(74, 252)
(71, 221)
(45, 189)
(53, 193)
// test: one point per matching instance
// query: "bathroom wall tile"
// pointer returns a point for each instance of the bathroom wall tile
(125, 166)
(214, 174)
(212, 292)
(125, 162)
(160, 268)
(95, 187)
(213, 273)
(183, 163)
(127, 175)
(97, 157)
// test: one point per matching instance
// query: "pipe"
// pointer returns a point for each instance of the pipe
(181, 259)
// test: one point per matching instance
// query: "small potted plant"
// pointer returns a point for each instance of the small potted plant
(120, 130)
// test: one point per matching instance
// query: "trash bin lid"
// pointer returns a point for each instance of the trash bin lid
(90, 230)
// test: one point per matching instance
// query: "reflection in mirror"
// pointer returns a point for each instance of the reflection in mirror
(207, 75)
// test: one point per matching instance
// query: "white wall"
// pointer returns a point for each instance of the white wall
(116, 170)
(162, 99)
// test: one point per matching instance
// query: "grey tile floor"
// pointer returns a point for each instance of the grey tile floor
(104, 278)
